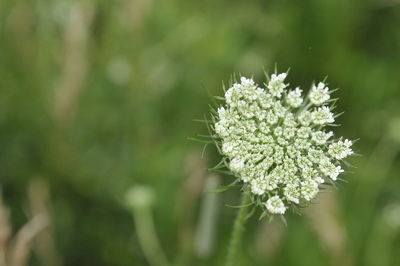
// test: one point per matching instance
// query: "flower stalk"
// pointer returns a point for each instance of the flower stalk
(237, 231)
(140, 200)
(148, 238)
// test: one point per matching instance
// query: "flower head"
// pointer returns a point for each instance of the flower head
(275, 205)
(275, 143)
(319, 94)
(294, 98)
(276, 84)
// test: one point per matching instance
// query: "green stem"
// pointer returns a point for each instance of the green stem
(148, 238)
(237, 231)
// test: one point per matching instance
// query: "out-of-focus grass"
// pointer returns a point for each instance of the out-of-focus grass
(97, 96)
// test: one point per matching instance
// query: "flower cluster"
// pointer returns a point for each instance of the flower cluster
(275, 141)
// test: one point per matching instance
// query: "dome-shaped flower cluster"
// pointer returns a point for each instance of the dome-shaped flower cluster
(275, 142)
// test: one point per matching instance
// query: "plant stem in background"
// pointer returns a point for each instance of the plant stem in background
(148, 238)
(237, 231)
(140, 199)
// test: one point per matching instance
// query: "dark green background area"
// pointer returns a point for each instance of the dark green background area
(99, 96)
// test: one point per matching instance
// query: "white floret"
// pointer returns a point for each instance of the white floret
(321, 137)
(221, 129)
(276, 85)
(305, 118)
(275, 205)
(221, 113)
(271, 118)
(247, 82)
(294, 98)
(258, 186)
(341, 149)
(228, 148)
(319, 94)
(309, 189)
(329, 169)
(303, 132)
(292, 193)
(322, 116)
(236, 165)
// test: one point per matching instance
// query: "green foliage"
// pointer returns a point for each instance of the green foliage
(99, 96)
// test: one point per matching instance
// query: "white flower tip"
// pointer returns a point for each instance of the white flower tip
(348, 143)
(221, 112)
(275, 205)
(236, 165)
(282, 75)
(247, 82)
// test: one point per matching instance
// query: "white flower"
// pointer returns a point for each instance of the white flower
(291, 192)
(265, 100)
(305, 118)
(236, 165)
(228, 148)
(303, 132)
(275, 205)
(221, 113)
(276, 145)
(309, 189)
(294, 98)
(289, 132)
(276, 85)
(322, 116)
(271, 118)
(258, 186)
(278, 131)
(273, 179)
(319, 94)
(279, 109)
(329, 169)
(316, 155)
(341, 149)
(247, 82)
(221, 128)
(320, 137)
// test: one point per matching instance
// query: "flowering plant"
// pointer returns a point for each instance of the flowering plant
(274, 141)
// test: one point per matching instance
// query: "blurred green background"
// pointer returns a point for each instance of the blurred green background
(99, 96)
